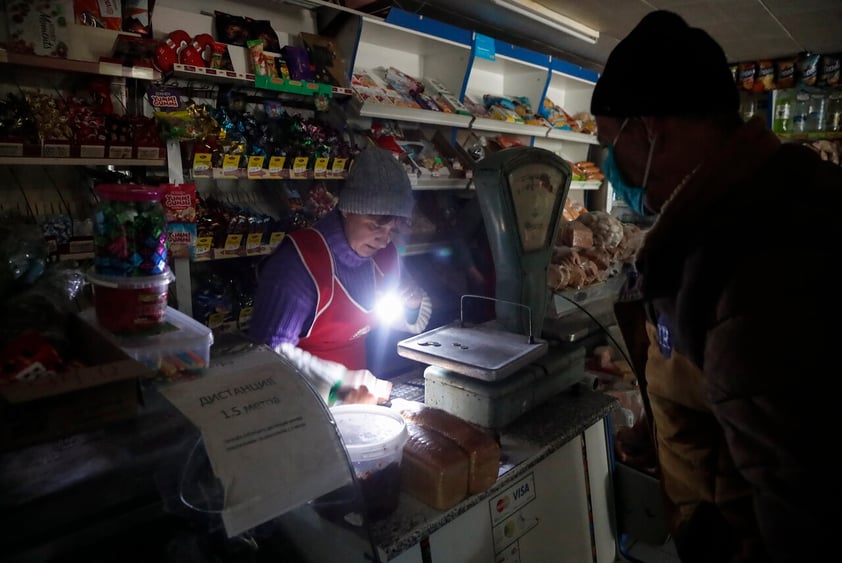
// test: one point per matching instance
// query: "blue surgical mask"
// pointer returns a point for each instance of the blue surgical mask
(632, 195)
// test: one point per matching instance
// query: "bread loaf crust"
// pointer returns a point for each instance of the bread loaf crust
(433, 468)
(482, 449)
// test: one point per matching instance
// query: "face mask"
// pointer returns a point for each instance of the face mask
(632, 195)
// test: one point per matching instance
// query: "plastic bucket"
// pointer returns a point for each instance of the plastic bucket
(374, 438)
(130, 304)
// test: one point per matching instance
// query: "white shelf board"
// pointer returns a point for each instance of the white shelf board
(390, 36)
(565, 135)
(436, 183)
(384, 111)
(592, 185)
(511, 128)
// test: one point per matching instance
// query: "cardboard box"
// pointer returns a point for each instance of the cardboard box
(86, 398)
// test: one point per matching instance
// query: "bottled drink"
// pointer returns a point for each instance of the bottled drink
(834, 113)
(817, 112)
(783, 112)
(800, 111)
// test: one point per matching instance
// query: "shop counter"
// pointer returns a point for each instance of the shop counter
(62, 496)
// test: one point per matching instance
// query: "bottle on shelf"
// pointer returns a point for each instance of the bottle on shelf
(800, 111)
(834, 114)
(783, 112)
(817, 112)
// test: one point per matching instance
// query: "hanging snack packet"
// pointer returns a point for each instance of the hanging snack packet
(785, 73)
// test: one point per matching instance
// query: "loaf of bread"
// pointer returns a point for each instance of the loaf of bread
(433, 468)
(482, 449)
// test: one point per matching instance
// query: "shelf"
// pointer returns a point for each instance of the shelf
(46, 161)
(86, 67)
(565, 135)
(510, 128)
(384, 111)
(814, 136)
(592, 185)
(434, 183)
(241, 78)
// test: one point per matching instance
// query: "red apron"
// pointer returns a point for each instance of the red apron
(340, 324)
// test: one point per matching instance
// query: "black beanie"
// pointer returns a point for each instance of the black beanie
(665, 67)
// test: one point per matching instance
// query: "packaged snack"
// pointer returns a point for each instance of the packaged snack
(262, 29)
(233, 30)
(39, 28)
(765, 78)
(180, 203)
(747, 72)
(829, 70)
(93, 13)
(807, 66)
(258, 60)
(785, 73)
(137, 16)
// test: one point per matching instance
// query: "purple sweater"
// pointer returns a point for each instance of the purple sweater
(285, 304)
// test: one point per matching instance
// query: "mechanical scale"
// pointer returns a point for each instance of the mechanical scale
(493, 372)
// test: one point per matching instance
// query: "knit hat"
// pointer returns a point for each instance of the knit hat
(665, 67)
(377, 185)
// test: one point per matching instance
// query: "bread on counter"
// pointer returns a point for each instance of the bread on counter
(482, 449)
(434, 469)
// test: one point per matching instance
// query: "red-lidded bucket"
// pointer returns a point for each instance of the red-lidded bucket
(130, 304)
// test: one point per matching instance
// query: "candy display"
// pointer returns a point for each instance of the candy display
(130, 231)
(39, 28)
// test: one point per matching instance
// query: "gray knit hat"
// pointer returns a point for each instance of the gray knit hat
(377, 185)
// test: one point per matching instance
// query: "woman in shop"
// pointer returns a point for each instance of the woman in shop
(325, 287)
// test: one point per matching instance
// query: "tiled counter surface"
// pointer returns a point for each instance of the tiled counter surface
(526, 442)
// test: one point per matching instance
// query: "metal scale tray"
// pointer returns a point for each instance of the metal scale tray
(480, 351)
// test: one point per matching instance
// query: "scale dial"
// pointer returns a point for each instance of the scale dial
(535, 189)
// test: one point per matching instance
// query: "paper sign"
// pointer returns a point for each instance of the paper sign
(268, 437)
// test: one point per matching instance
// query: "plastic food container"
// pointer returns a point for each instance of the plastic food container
(130, 231)
(177, 346)
(130, 304)
(374, 438)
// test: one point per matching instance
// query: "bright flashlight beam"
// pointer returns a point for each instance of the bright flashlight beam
(388, 308)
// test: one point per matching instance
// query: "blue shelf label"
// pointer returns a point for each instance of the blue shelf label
(484, 47)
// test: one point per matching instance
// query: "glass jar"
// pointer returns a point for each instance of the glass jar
(130, 231)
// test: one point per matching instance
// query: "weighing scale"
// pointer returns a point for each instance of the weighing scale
(494, 372)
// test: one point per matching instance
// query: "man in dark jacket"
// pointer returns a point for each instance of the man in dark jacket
(739, 314)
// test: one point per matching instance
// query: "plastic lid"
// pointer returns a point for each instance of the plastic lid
(129, 192)
(370, 431)
(136, 282)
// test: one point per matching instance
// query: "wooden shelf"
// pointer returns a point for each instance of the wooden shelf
(46, 161)
(85, 67)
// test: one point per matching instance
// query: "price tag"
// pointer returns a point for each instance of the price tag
(320, 168)
(299, 167)
(276, 238)
(255, 167)
(338, 166)
(148, 153)
(204, 245)
(245, 316)
(254, 243)
(202, 164)
(276, 166)
(216, 320)
(11, 149)
(63, 151)
(92, 151)
(230, 164)
(233, 242)
(119, 152)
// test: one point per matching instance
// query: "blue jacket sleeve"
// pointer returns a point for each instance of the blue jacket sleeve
(285, 303)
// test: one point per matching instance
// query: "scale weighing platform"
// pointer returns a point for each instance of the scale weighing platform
(494, 372)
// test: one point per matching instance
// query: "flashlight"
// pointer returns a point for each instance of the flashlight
(388, 307)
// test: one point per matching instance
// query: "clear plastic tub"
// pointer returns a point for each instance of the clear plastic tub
(374, 438)
(178, 345)
(125, 305)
